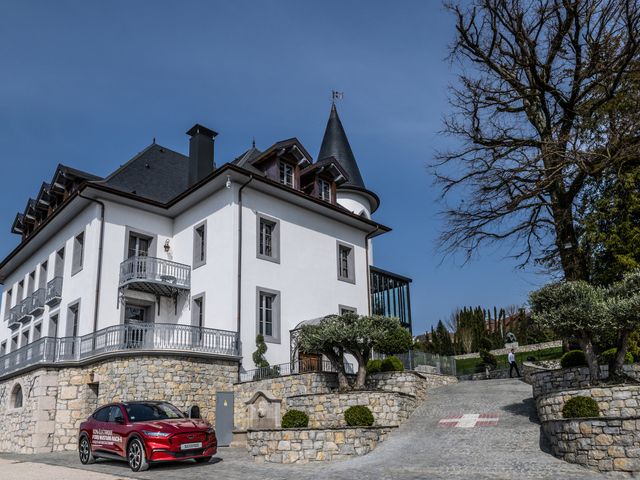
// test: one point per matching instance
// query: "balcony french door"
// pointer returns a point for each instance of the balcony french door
(136, 318)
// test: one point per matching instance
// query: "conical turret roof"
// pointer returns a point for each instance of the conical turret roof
(335, 144)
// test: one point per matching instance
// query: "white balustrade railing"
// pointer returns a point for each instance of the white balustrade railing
(156, 270)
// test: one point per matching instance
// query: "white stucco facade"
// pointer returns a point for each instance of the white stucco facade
(304, 277)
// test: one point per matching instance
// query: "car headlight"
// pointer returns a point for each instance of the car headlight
(156, 434)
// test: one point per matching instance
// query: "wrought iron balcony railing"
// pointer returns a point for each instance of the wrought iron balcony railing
(292, 368)
(14, 316)
(154, 337)
(154, 275)
(35, 303)
(23, 312)
(54, 291)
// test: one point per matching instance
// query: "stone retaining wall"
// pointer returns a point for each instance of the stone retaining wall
(313, 445)
(520, 349)
(549, 381)
(603, 444)
(618, 401)
(279, 387)
(29, 429)
(57, 400)
(327, 410)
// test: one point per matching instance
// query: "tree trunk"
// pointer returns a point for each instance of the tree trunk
(337, 361)
(361, 376)
(617, 365)
(592, 360)
(572, 261)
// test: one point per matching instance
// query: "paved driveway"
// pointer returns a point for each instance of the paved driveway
(465, 446)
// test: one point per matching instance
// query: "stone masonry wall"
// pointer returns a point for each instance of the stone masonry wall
(619, 401)
(520, 349)
(327, 410)
(602, 444)
(280, 387)
(313, 445)
(183, 381)
(549, 381)
(29, 429)
(409, 382)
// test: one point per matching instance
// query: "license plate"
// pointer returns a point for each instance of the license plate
(191, 446)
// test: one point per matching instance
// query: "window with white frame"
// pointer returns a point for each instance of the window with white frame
(3, 348)
(73, 318)
(42, 277)
(325, 190)
(199, 245)
(37, 331)
(53, 326)
(268, 314)
(286, 174)
(346, 266)
(268, 242)
(7, 302)
(78, 253)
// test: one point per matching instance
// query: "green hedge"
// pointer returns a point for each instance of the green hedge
(573, 358)
(374, 366)
(608, 355)
(295, 419)
(392, 364)
(358, 416)
(580, 407)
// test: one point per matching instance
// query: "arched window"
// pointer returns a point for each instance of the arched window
(16, 396)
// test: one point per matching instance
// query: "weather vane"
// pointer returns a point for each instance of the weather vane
(335, 95)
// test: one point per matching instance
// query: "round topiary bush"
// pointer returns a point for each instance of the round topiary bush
(574, 358)
(295, 419)
(580, 407)
(374, 366)
(391, 364)
(607, 356)
(358, 416)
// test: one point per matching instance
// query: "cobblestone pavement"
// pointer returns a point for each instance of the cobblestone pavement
(418, 450)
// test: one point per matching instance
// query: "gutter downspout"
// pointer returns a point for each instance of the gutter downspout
(366, 239)
(100, 248)
(239, 305)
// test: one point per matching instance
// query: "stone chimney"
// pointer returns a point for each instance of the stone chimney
(201, 161)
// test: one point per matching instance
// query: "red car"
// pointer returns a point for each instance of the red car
(145, 432)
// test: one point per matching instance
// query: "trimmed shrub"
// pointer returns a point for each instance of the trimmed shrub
(488, 360)
(391, 364)
(573, 358)
(295, 419)
(608, 356)
(374, 366)
(580, 407)
(358, 416)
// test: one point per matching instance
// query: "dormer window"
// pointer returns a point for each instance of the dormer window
(325, 190)
(286, 174)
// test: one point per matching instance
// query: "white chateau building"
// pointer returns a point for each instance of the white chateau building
(173, 253)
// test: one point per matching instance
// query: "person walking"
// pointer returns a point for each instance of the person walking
(512, 363)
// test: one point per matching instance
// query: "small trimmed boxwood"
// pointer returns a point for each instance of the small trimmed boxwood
(295, 419)
(580, 407)
(358, 416)
(573, 358)
(374, 366)
(392, 364)
(608, 355)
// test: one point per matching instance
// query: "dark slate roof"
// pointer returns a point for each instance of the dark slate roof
(157, 173)
(335, 144)
(245, 159)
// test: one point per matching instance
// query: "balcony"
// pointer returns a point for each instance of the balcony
(155, 275)
(118, 339)
(23, 311)
(35, 303)
(14, 317)
(54, 292)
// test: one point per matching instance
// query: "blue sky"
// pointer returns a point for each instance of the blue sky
(89, 84)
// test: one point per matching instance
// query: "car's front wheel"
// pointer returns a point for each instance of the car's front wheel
(84, 450)
(136, 457)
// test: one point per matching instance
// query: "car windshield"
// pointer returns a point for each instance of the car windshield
(145, 412)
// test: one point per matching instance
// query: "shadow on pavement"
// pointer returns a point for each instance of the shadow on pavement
(526, 408)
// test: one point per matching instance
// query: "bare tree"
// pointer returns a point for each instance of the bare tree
(536, 78)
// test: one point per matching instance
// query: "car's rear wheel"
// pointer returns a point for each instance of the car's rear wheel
(136, 457)
(203, 459)
(84, 450)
